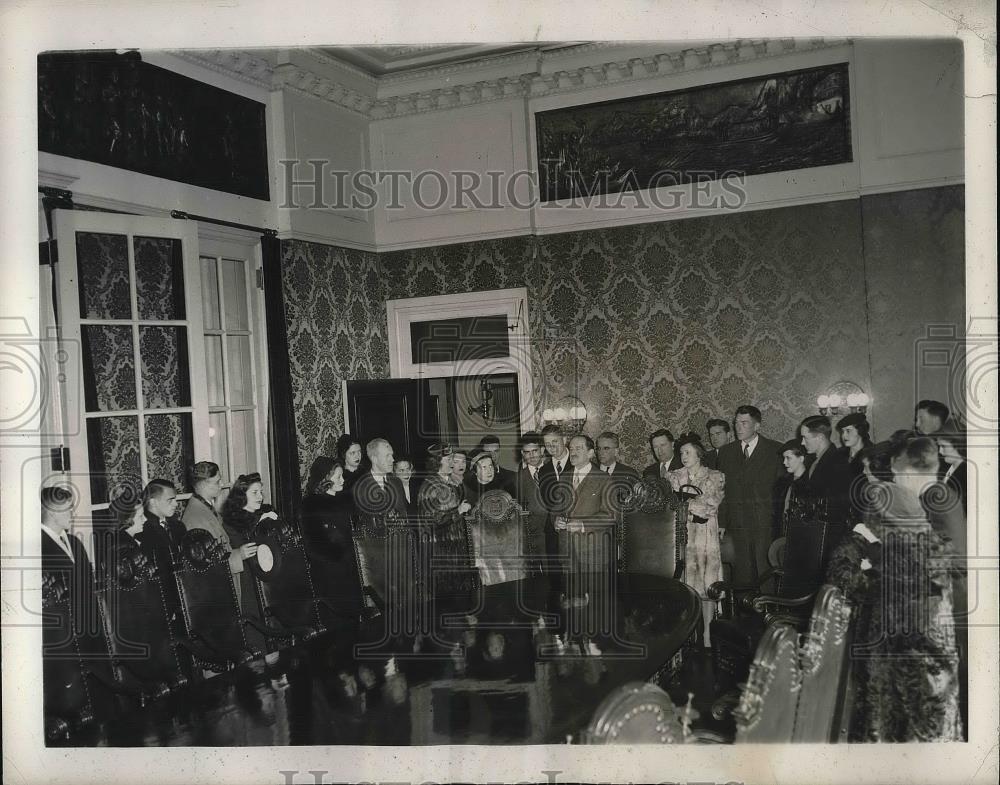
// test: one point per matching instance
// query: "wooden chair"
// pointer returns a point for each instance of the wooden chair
(766, 711)
(496, 532)
(648, 537)
(635, 713)
(825, 667)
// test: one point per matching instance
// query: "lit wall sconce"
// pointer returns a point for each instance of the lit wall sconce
(843, 398)
(569, 414)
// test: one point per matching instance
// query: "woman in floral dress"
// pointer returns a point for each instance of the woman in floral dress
(702, 557)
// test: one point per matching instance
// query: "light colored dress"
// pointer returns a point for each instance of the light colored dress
(702, 557)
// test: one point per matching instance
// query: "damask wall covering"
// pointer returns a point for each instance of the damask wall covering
(662, 324)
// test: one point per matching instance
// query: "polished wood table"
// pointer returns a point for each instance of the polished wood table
(512, 663)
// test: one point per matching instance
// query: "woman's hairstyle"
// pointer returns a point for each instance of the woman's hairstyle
(203, 470)
(861, 425)
(879, 458)
(237, 498)
(955, 438)
(344, 443)
(319, 473)
(435, 455)
(694, 440)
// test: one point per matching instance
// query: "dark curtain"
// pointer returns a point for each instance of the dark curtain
(286, 493)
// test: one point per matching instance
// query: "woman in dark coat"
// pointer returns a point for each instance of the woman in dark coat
(326, 527)
(349, 455)
(242, 513)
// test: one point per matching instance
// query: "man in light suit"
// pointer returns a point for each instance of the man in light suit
(584, 523)
(529, 494)
(752, 465)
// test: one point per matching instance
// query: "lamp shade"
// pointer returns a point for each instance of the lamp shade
(823, 401)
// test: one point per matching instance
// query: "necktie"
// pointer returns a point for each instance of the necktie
(663, 470)
(64, 540)
(576, 480)
(559, 470)
(746, 452)
(534, 475)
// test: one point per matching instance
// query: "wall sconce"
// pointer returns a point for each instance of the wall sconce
(843, 398)
(569, 413)
(485, 406)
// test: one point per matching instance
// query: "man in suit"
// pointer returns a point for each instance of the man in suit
(161, 533)
(529, 495)
(378, 491)
(584, 524)
(929, 416)
(661, 442)
(549, 475)
(752, 465)
(719, 434)
(829, 476)
(505, 478)
(622, 475)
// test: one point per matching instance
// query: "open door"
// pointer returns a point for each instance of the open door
(403, 411)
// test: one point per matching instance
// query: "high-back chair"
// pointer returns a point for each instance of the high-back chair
(496, 533)
(648, 539)
(208, 599)
(766, 711)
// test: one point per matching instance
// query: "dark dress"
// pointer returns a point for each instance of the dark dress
(240, 526)
(326, 527)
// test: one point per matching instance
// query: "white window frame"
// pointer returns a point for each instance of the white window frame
(512, 303)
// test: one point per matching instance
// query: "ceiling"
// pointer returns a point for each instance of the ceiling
(385, 60)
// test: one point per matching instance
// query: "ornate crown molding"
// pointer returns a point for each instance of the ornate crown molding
(234, 63)
(534, 78)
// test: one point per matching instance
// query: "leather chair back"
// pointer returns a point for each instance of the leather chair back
(766, 712)
(208, 598)
(824, 668)
(648, 535)
(64, 685)
(805, 553)
(288, 595)
(497, 533)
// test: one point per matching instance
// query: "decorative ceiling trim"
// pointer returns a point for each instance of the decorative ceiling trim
(353, 70)
(235, 63)
(529, 83)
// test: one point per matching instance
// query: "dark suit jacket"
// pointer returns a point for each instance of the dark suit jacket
(160, 546)
(711, 459)
(529, 495)
(959, 483)
(547, 480)
(370, 499)
(653, 470)
(622, 478)
(587, 503)
(829, 478)
(748, 504)
(77, 575)
(944, 511)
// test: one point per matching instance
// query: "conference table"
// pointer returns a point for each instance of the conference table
(511, 663)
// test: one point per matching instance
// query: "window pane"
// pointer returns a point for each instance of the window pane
(159, 278)
(240, 386)
(244, 443)
(169, 448)
(234, 281)
(451, 340)
(108, 367)
(219, 440)
(102, 264)
(113, 443)
(165, 374)
(210, 293)
(213, 361)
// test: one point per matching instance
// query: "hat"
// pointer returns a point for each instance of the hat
(855, 419)
(478, 455)
(439, 450)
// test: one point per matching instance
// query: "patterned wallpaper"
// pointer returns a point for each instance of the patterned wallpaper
(335, 312)
(662, 324)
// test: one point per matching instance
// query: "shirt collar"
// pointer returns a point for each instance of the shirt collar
(584, 470)
(59, 540)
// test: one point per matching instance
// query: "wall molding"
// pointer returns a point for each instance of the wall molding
(536, 77)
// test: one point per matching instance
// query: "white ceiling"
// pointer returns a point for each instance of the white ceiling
(385, 60)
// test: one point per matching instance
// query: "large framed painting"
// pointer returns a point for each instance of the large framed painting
(775, 123)
(114, 109)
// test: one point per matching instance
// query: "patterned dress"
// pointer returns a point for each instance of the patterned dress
(703, 560)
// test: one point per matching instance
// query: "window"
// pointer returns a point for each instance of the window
(163, 366)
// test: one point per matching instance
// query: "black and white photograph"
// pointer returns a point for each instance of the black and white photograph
(441, 402)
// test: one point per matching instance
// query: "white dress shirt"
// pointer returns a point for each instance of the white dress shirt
(61, 538)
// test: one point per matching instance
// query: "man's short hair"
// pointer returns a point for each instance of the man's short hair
(531, 437)
(552, 428)
(933, 408)
(55, 498)
(817, 424)
(794, 446)
(587, 440)
(204, 470)
(746, 408)
(611, 436)
(374, 444)
(489, 438)
(156, 488)
(920, 454)
(661, 432)
(717, 422)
